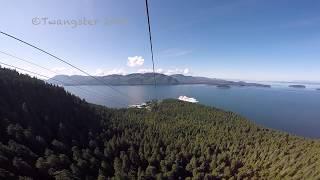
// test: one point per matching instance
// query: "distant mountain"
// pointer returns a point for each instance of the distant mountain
(306, 82)
(145, 79)
(297, 86)
(130, 79)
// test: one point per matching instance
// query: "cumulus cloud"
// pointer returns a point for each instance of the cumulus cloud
(150, 70)
(102, 72)
(135, 61)
(185, 71)
(159, 70)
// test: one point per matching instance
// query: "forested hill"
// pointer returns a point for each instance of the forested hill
(145, 79)
(47, 133)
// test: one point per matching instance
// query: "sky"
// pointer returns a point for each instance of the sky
(259, 40)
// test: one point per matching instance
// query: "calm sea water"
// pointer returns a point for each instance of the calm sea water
(296, 111)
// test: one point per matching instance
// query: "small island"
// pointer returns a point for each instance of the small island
(298, 86)
(318, 89)
(223, 86)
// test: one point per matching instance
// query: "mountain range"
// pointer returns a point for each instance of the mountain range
(146, 79)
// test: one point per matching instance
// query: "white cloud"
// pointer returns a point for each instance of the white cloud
(101, 72)
(150, 70)
(159, 70)
(135, 61)
(185, 71)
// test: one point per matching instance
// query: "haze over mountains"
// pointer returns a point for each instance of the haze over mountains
(146, 79)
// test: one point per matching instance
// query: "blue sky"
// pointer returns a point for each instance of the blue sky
(239, 39)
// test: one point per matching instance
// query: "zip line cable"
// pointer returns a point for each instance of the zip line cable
(29, 62)
(25, 70)
(58, 81)
(150, 40)
(44, 76)
(39, 66)
(64, 61)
